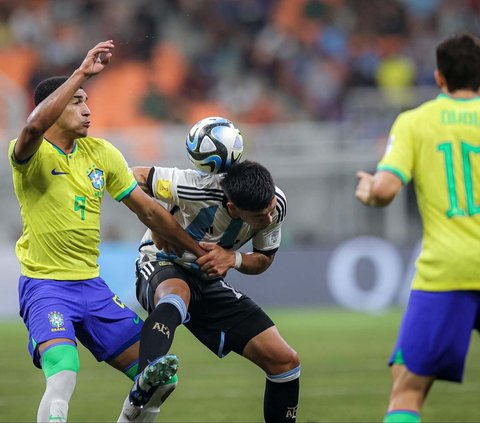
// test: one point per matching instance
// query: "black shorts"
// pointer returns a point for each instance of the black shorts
(219, 316)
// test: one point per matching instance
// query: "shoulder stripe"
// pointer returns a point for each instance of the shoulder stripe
(281, 207)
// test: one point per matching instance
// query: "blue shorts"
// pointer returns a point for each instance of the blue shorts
(435, 333)
(86, 310)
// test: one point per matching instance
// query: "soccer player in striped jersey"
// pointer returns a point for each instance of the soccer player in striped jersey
(438, 146)
(60, 175)
(222, 212)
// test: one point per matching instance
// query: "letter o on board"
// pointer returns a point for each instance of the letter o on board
(342, 277)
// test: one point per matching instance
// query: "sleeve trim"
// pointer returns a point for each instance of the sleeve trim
(267, 253)
(127, 192)
(151, 173)
(395, 171)
(19, 162)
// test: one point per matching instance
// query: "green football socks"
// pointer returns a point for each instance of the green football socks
(402, 416)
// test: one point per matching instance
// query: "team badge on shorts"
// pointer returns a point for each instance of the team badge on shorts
(96, 176)
(56, 321)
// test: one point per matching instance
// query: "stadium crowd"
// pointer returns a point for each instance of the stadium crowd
(256, 61)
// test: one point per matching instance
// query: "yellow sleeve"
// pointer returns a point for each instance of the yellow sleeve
(20, 165)
(119, 179)
(399, 154)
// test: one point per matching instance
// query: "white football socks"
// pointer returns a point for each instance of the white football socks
(54, 404)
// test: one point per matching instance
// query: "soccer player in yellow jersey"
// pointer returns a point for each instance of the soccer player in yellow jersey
(438, 145)
(60, 176)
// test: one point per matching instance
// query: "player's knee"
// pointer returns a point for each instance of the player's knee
(283, 362)
(173, 286)
(58, 358)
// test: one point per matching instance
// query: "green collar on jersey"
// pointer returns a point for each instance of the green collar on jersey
(443, 95)
(60, 150)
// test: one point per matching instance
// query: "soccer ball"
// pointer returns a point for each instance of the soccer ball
(214, 144)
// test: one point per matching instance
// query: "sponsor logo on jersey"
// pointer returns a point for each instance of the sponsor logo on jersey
(56, 321)
(96, 176)
(164, 188)
(57, 172)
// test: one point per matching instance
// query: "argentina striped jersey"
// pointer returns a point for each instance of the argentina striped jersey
(198, 203)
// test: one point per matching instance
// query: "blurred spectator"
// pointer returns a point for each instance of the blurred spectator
(253, 60)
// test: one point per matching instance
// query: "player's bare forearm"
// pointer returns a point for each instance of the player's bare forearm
(44, 116)
(140, 173)
(160, 221)
(255, 263)
(50, 109)
(219, 260)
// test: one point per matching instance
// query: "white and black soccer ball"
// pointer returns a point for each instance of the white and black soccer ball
(214, 144)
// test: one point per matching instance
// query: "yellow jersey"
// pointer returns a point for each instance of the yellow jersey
(438, 145)
(59, 196)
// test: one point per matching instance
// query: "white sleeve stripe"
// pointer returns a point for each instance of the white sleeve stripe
(211, 190)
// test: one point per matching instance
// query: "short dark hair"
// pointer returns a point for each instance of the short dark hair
(47, 87)
(458, 60)
(249, 186)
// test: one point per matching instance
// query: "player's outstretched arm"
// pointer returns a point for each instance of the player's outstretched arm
(160, 221)
(218, 261)
(377, 190)
(50, 109)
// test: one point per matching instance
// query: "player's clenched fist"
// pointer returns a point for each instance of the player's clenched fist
(364, 187)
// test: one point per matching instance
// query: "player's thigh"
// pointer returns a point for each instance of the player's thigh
(435, 333)
(158, 279)
(271, 352)
(109, 328)
(224, 319)
(50, 310)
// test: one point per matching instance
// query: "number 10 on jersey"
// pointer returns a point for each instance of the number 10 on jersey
(454, 209)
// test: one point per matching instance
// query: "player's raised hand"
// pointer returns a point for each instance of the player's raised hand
(217, 261)
(97, 58)
(364, 187)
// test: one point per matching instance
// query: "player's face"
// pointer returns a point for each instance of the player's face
(75, 119)
(258, 219)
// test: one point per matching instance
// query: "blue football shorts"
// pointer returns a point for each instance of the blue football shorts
(86, 310)
(435, 333)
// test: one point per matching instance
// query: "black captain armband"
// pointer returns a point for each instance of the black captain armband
(267, 253)
(148, 187)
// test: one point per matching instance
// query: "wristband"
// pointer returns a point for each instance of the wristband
(238, 260)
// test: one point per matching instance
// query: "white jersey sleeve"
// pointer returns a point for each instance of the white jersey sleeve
(267, 241)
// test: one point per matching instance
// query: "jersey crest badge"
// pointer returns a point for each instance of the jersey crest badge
(96, 176)
(56, 320)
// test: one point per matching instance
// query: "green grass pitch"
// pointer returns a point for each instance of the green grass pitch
(344, 376)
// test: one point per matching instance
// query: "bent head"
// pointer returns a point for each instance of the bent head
(75, 119)
(458, 63)
(250, 193)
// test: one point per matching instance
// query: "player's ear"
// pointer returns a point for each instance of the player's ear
(440, 80)
(232, 210)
